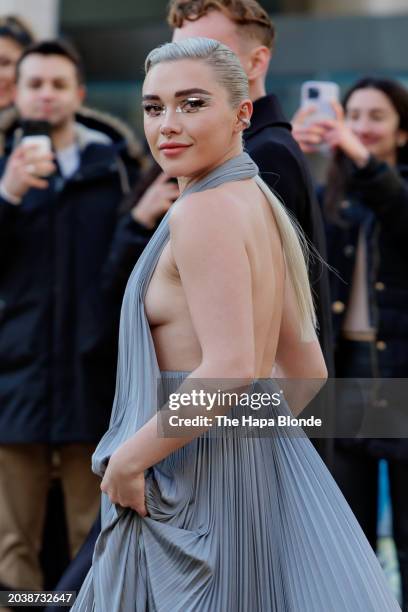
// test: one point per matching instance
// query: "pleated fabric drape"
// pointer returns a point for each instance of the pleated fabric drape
(235, 524)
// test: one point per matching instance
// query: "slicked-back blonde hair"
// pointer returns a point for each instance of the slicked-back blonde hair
(225, 64)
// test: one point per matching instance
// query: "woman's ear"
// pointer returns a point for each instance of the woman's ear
(243, 120)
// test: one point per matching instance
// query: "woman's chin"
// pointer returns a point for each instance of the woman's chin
(175, 168)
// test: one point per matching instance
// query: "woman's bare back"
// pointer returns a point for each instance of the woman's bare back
(176, 342)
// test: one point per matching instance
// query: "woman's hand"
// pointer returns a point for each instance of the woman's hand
(339, 135)
(122, 484)
(309, 136)
(334, 132)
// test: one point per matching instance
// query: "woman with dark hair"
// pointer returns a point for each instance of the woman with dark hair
(15, 36)
(365, 201)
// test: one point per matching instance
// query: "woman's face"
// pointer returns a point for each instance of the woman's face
(373, 118)
(188, 120)
(9, 55)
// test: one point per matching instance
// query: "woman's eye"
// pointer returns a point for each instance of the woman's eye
(378, 117)
(153, 110)
(193, 105)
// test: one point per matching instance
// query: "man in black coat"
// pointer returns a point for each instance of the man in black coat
(245, 27)
(65, 255)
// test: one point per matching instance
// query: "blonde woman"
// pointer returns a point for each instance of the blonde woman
(218, 523)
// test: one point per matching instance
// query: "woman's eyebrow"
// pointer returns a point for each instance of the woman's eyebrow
(375, 109)
(178, 94)
(193, 90)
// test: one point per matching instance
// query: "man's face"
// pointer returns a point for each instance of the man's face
(48, 89)
(218, 26)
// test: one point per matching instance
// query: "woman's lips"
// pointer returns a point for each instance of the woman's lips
(173, 149)
(369, 140)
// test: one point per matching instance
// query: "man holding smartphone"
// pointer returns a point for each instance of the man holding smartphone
(65, 256)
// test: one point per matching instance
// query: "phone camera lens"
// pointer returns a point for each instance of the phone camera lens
(313, 93)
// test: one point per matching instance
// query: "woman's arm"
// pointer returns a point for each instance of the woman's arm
(377, 184)
(299, 364)
(382, 189)
(208, 247)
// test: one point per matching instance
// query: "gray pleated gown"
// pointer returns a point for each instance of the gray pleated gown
(235, 524)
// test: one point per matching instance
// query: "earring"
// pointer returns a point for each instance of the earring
(245, 121)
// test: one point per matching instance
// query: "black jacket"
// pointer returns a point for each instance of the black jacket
(377, 200)
(65, 256)
(283, 167)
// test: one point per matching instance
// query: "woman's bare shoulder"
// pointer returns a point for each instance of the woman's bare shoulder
(206, 209)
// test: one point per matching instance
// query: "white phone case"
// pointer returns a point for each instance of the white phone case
(42, 142)
(319, 94)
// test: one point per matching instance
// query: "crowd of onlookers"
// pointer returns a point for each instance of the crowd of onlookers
(76, 215)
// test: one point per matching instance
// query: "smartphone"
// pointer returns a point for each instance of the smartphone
(38, 133)
(319, 94)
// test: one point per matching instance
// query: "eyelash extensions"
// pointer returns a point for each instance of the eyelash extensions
(189, 105)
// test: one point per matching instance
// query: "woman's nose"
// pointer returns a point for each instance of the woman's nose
(362, 126)
(166, 130)
(170, 124)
